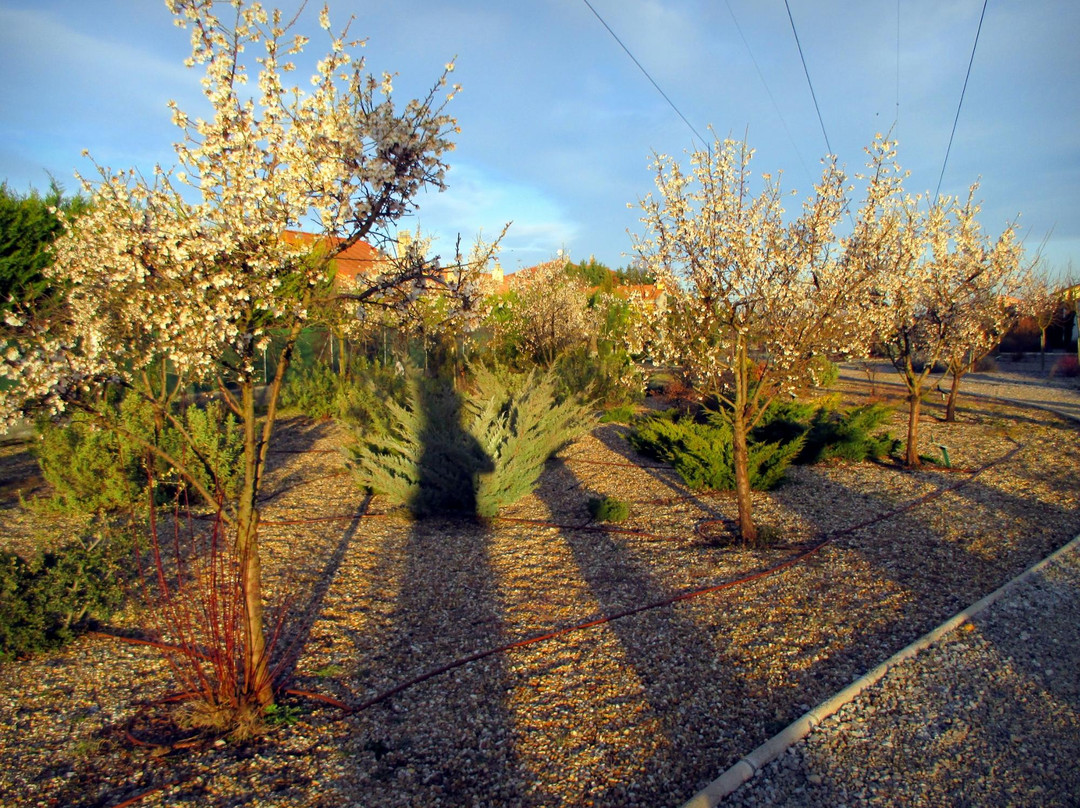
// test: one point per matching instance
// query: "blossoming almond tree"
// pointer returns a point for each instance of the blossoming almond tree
(186, 276)
(938, 278)
(753, 299)
(552, 313)
(984, 306)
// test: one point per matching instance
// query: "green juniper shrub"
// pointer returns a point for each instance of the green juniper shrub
(468, 453)
(359, 396)
(623, 414)
(854, 435)
(609, 376)
(96, 470)
(703, 453)
(47, 601)
(701, 449)
(608, 509)
(312, 389)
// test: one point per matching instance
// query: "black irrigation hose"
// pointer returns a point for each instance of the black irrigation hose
(668, 601)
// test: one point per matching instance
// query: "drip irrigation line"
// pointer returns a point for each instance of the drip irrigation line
(673, 599)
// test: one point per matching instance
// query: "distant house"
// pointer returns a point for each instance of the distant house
(357, 260)
(652, 295)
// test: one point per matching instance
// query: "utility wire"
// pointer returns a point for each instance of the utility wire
(807, 72)
(958, 106)
(765, 84)
(646, 72)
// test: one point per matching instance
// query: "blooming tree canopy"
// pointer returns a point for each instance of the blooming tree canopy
(941, 288)
(754, 300)
(186, 275)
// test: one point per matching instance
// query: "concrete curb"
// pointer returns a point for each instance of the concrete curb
(751, 764)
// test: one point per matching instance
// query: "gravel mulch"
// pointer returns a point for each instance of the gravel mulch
(642, 710)
(990, 715)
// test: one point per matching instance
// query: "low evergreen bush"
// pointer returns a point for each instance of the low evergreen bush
(471, 453)
(703, 453)
(854, 435)
(608, 509)
(789, 432)
(622, 414)
(359, 397)
(46, 602)
(96, 468)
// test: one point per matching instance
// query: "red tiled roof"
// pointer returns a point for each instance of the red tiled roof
(359, 258)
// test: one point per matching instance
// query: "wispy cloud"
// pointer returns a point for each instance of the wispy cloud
(478, 202)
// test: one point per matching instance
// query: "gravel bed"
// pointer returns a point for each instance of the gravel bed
(988, 716)
(643, 710)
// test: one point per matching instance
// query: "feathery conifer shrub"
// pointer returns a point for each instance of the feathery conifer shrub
(472, 452)
(703, 453)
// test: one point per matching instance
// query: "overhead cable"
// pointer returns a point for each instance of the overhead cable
(765, 84)
(971, 61)
(807, 72)
(646, 72)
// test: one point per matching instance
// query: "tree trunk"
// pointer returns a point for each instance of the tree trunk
(741, 458)
(1042, 350)
(257, 682)
(954, 391)
(740, 452)
(911, 458)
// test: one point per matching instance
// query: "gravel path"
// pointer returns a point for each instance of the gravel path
(989, 715)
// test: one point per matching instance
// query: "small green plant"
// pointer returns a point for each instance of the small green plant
(281, 715)
(608, 509)
(622, 414)
(328, 671)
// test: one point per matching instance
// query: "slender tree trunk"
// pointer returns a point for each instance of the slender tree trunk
(257, 682)
(954, 391)
(740, 452)
(1042, 350)
(911, 458)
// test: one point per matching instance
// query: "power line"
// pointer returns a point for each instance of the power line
(646, 72)
(807, 72)
(765, 84)
(958, 106)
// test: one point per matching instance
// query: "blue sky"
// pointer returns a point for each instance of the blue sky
(559, 125)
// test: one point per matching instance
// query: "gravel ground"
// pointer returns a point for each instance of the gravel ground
(988, 716)
(642, 710)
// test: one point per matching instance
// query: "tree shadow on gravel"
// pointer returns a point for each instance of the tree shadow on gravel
(686, 678)
(934, 575)
(613, 437)
(449, 738)
(304, 608)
